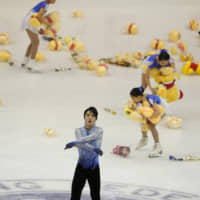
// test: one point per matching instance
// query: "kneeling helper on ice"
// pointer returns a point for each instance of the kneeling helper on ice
(33, 32)
(148, 110)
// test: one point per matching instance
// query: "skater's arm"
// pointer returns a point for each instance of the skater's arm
(86, 146)
(94, 136)
(148, 81)
(41, 17)
(172, 64)
(156, 109)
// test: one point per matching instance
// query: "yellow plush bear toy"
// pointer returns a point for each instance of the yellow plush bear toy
(4, 38)
(5, 56)
(167, 89)
(53, 19)
(190, 68)
(147, 111)
(173, 122)
(34, 21)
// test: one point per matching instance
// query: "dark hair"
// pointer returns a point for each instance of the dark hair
(136, 92)
(163, 55)
(93, 110)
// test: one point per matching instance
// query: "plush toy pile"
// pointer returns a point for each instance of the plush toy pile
(125, 60)
(85, 62)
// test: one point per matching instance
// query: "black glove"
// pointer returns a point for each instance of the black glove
(69, 145)
(98, 151)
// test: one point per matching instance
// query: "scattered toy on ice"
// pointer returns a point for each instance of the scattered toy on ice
(157, 44)
(101, 70)
(40, 57)
(193, 25)
(173, 50)
(50, 132)
(74, 45)
(190, 68)
(184, 57)
(182, 46)
(174, 35)
(5, 56)
(138, 55)
(110, 111)
(123, 151)
(4, 38)
(124, 60)
(173, 122)
(132, 28)
(77, 14)
(185, 158)
(55, 45)
(149, 53)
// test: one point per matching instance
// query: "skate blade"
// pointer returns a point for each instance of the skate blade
(29, 69)
(156, 155)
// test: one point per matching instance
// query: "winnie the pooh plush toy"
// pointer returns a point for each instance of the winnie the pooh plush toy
(166, 78)
(191, 68)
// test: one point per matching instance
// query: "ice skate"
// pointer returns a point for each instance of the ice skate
(33, 66)
(142, 143)
(25, 61)
(156, 151)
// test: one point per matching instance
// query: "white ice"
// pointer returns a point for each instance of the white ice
(34, 101)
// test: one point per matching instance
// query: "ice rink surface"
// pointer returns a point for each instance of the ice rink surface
(34, 101)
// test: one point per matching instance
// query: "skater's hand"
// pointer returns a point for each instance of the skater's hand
(70, 145)
(153, 91)
(41, 31)
(98, 151)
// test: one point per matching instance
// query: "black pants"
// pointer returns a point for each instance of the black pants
(80, 177)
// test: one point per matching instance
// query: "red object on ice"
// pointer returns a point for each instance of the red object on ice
(194, 66)
(121, 151)
(157, 43)
(56, 43)
(116, 150)
(129, 28)
(72, 47)
(180, 94)
(181, 47)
